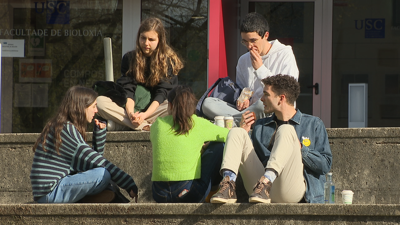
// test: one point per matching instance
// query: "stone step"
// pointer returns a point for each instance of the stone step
(364, 160)
(244, 213)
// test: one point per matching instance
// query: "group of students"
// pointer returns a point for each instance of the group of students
(284, 160)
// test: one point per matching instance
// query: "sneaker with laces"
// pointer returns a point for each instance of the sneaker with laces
(226, 192)
(261, 191)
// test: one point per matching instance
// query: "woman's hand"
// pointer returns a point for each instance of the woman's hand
(100, 124)
(129, 106)
(205, 146)
(133, 195)
(137, 118)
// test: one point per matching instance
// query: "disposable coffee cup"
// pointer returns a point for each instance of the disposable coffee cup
(347, 196)
(219, 121)
(228, 122)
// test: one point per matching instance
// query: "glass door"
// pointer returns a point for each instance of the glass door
(300, 25)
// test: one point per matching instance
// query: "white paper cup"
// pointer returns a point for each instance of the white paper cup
(347, 196)
(228, 122)
(219, 121)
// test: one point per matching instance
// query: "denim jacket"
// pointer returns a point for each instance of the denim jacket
(316, 152)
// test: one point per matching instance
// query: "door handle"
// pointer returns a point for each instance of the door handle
(316, 88)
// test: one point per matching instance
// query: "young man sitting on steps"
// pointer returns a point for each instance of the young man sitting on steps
(287, 156)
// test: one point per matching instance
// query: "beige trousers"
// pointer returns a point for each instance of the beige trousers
(285, 159)
(109, 110)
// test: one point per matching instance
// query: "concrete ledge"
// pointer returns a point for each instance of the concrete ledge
(364, 160)
(244, 213)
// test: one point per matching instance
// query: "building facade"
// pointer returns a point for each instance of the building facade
(49, 46)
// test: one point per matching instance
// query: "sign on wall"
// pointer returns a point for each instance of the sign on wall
(12, 47)
(57, 12)
(35, 70)
(31, 95)
(373, 27)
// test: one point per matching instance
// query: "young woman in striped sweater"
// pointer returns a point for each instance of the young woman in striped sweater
(65, 169)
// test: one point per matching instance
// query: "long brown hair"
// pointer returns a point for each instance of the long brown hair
(72, 109)
(162, 59)
(183, 105)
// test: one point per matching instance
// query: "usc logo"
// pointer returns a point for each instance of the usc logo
(57, 12)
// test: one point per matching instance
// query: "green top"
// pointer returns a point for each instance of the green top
(178, 157)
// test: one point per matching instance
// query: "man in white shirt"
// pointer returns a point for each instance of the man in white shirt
(264, 58)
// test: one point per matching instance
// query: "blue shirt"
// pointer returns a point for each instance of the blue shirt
(316, 152)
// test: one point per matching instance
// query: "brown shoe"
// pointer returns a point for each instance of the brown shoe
(261, 191)
(105, 196)
(226, 192)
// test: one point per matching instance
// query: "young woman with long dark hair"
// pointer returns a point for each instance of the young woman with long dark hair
(181, 171)
(65, 169)
(148, 73)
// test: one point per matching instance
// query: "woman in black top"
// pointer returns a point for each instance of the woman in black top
(148, 73)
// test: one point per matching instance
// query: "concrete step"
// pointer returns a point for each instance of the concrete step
(244, 213)
(364, 160)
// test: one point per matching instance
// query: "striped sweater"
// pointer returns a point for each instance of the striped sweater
(48, 168)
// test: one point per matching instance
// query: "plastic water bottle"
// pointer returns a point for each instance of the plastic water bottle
(329, 190)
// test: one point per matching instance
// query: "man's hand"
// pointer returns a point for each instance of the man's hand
(255, 57)
(248, 118)
(242, 105)
(99, 124)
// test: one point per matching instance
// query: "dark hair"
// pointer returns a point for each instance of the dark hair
(162, 59)
(183, 104)
(72, 109)
(284, 85)
(254, 22)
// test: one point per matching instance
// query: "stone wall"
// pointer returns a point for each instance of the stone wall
(364, 160)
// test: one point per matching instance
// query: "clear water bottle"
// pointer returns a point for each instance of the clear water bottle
(329, 190)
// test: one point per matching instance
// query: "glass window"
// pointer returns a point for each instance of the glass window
(292, 23)
(186, 24)
(366, 45)
(58, 44)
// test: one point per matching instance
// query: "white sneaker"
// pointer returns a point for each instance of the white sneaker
(113, 126)
(110, 125)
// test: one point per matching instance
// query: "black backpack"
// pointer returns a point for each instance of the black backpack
(225, 89)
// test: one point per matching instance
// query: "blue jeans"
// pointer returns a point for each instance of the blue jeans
(73, 188)
(193, 191)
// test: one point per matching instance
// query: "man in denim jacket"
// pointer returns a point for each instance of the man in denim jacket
(289, 151)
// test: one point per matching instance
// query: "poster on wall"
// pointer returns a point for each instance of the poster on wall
(31, 95)
(35, 70)
(22, 95)
(40, 97)
(36, 46)
(12, 48)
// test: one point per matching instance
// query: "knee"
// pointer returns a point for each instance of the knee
(102, 174)
(101, 102)
(286, 130)
(210, 102)
(206, 103)
(207, 100)
(237, 131)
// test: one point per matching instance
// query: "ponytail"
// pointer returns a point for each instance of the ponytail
(183, 103)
